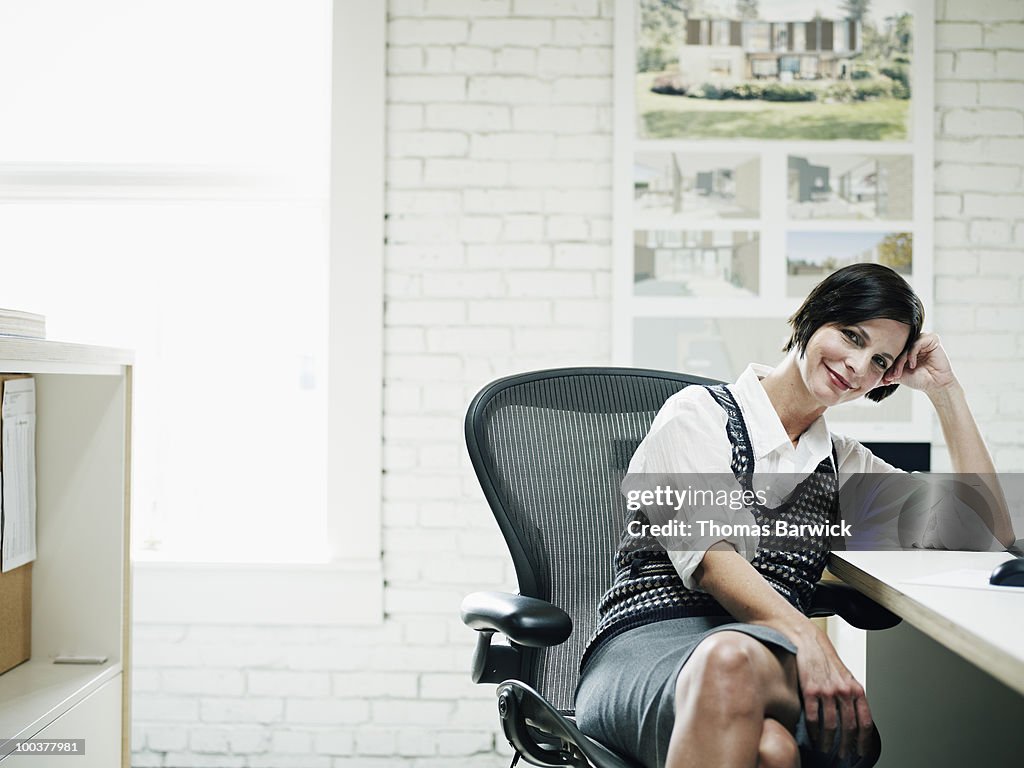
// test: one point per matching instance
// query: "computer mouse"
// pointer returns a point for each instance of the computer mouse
(1009, 574)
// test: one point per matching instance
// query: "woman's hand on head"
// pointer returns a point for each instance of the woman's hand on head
(925, 366)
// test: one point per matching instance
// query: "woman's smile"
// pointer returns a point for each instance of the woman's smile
(838, 381)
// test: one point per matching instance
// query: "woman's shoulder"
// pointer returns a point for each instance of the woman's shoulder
(689, 417)
(693, 402)
(845, 447)
(686, 434)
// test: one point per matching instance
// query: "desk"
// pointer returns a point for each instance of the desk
(946, 686)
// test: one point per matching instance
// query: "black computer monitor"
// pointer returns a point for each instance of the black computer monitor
(910, 457)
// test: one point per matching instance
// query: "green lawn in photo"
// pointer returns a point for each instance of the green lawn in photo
(679, 117)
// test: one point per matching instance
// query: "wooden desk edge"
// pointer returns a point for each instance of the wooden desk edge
(1004, 667)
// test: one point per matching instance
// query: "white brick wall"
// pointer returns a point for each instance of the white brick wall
(979, 195)
(498, 259)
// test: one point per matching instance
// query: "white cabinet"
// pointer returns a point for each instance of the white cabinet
(89, 719)
(81, 577)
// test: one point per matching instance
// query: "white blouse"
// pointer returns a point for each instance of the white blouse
(688, 437)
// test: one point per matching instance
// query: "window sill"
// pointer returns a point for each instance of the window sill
(337, 594)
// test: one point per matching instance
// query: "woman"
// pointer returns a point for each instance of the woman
(703, 655)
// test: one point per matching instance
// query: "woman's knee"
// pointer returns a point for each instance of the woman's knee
(722, 675)
(778, 747)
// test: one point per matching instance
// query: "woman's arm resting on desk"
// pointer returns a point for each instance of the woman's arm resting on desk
(824, 679)
(926, 367)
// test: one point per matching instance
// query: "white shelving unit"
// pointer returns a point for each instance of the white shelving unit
(81, 577)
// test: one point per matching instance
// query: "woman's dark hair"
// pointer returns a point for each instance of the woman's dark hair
(852, 295)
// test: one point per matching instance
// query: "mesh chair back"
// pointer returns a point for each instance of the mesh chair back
(550, 449)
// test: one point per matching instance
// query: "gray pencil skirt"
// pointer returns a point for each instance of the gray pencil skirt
(626, 696)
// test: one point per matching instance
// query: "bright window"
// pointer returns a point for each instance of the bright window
(781, 34)
(720, 32)
(164, 172)
(721, 65)
(799, 36)
(841, 36)
(789, 64)
(757, 36)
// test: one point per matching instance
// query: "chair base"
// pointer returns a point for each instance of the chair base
(544, 736)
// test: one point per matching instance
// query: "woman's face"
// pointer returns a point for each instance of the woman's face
(844, 362)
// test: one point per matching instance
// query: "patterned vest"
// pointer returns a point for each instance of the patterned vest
(647, 588)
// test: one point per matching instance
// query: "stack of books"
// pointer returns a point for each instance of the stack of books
(14, 322)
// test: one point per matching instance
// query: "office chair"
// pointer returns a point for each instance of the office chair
(550, 449)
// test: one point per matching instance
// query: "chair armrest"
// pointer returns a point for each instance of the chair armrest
(861, 611)
(524, 620)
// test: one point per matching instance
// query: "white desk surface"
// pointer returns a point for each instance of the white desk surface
(985, 626)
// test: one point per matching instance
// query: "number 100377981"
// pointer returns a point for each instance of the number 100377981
(42, 747)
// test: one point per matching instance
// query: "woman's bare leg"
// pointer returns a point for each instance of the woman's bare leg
(724, 694)
(777, 748)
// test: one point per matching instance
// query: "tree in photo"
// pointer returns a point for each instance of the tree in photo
(747, 9)
(662, 26)
(855, 10)
(896, 251)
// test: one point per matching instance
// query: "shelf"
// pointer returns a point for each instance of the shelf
(20, 355)
(80, 576)
(37, 692)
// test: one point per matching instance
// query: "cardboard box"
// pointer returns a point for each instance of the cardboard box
(15, 616)
(15, 602)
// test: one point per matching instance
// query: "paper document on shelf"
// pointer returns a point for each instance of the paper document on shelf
(966, 578)
(18, 473)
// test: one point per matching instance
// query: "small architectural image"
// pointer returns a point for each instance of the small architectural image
(783, 69)
(722, 348)
(696, 263)
(670, 186)
(865, 187)
(811, 256)
(718, 348)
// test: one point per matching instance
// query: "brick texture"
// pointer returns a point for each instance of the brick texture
(979, 180)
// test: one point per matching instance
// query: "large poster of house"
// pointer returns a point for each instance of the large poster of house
(774, 69)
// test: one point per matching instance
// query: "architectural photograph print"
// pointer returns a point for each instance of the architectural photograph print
(695, 262)
(774, 69)
(681, 187)
(813, 256)
(861, 187)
